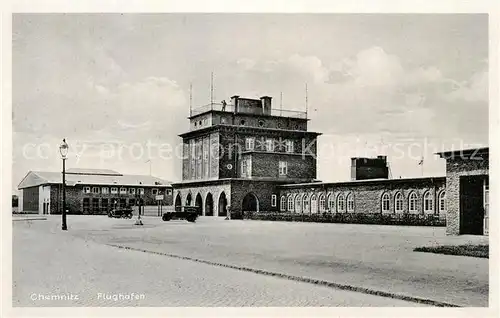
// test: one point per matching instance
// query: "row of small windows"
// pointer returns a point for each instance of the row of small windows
(114, 190)
(270, 144)
(301, 203)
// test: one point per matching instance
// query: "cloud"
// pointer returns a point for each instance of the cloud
(374, 91)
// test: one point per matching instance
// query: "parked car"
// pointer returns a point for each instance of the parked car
(121, 213)
(189, 213)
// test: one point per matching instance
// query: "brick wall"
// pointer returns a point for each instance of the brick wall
(75, 196)
(30, 199)
(456, 167)
(367, 196)
(267, 165)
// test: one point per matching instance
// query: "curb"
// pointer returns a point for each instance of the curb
(28, 219)
(302, 279)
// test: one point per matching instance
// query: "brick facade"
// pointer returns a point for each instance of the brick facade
(366, 196)
(456, 167)
(75, 198)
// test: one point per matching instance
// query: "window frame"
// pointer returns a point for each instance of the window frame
(331, 202)
(298, 203)
(305, 204)
(398, 199)
(154, 191)
(123, 190)
(314, 198)
(415, 202)
(428, 202)
(86, 190)
(322, 203)
(442, 202)
(350, 201)
(282, 168)
(95, 190)
(340, 203)
(289, 146)
(250, 143)
(274, 200)
(290, 203)
(269, 145)
(385, 199)
(283, 203)
(115, 190)
(105, 190)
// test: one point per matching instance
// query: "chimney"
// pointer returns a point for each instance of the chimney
(266, 105)
(234, 101)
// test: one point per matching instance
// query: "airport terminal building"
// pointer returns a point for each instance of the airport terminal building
(247, 156)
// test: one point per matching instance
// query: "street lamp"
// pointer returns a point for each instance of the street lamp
(63, 149)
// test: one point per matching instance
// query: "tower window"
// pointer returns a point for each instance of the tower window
(249, 143)
(269, 145)
(242, 122)
(283, 168)
(261, 123)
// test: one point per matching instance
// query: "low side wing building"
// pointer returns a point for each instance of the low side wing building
(89, 191)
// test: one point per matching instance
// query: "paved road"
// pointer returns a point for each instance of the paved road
(50, 263)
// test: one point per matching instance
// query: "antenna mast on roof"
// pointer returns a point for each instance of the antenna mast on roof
(281, 103)
(211, 90)
(190, 99)
(306, 102)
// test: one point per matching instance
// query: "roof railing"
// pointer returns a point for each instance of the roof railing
(230, 109)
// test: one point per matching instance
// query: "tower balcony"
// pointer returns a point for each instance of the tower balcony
(231, 108)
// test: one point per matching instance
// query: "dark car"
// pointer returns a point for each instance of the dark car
(121, 213)
(189, 213)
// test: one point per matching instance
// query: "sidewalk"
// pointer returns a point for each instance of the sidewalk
(51, 263)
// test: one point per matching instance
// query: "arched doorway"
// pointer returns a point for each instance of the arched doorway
(209, 205)
(222, 204)
(188, 200)
(199, 203)
(178, 202)
(250, 203)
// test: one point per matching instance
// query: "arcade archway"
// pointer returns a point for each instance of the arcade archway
(250, 203)
(199, 203)
(222, 204)
(209, 205)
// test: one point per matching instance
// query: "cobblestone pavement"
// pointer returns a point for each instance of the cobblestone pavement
(373, 257)
(49, 263)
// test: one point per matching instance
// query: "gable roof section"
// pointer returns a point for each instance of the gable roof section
(37, 178)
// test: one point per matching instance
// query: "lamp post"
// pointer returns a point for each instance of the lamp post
(63, 149)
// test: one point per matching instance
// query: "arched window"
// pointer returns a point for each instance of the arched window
(340, 203)
(322, 207)
(290, 203)
(331, 202)
(298, 203)
(305, 204)
(398, 203)
(412, 202)
(442, 202)
(350, 202)
(283, 203)
(386, 202)
(314, 204)
(428, 202)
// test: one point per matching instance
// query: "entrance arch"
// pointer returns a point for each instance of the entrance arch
(209, 205)
(178, 202)
(222, 204)
(199, 203)
(250, 203)
(188, 199)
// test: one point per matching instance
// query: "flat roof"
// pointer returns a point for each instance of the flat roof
(367, 181)
(464, 152)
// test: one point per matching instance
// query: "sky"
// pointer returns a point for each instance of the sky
(117, 86)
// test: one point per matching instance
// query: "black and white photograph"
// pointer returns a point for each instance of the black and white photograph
(251, 160)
